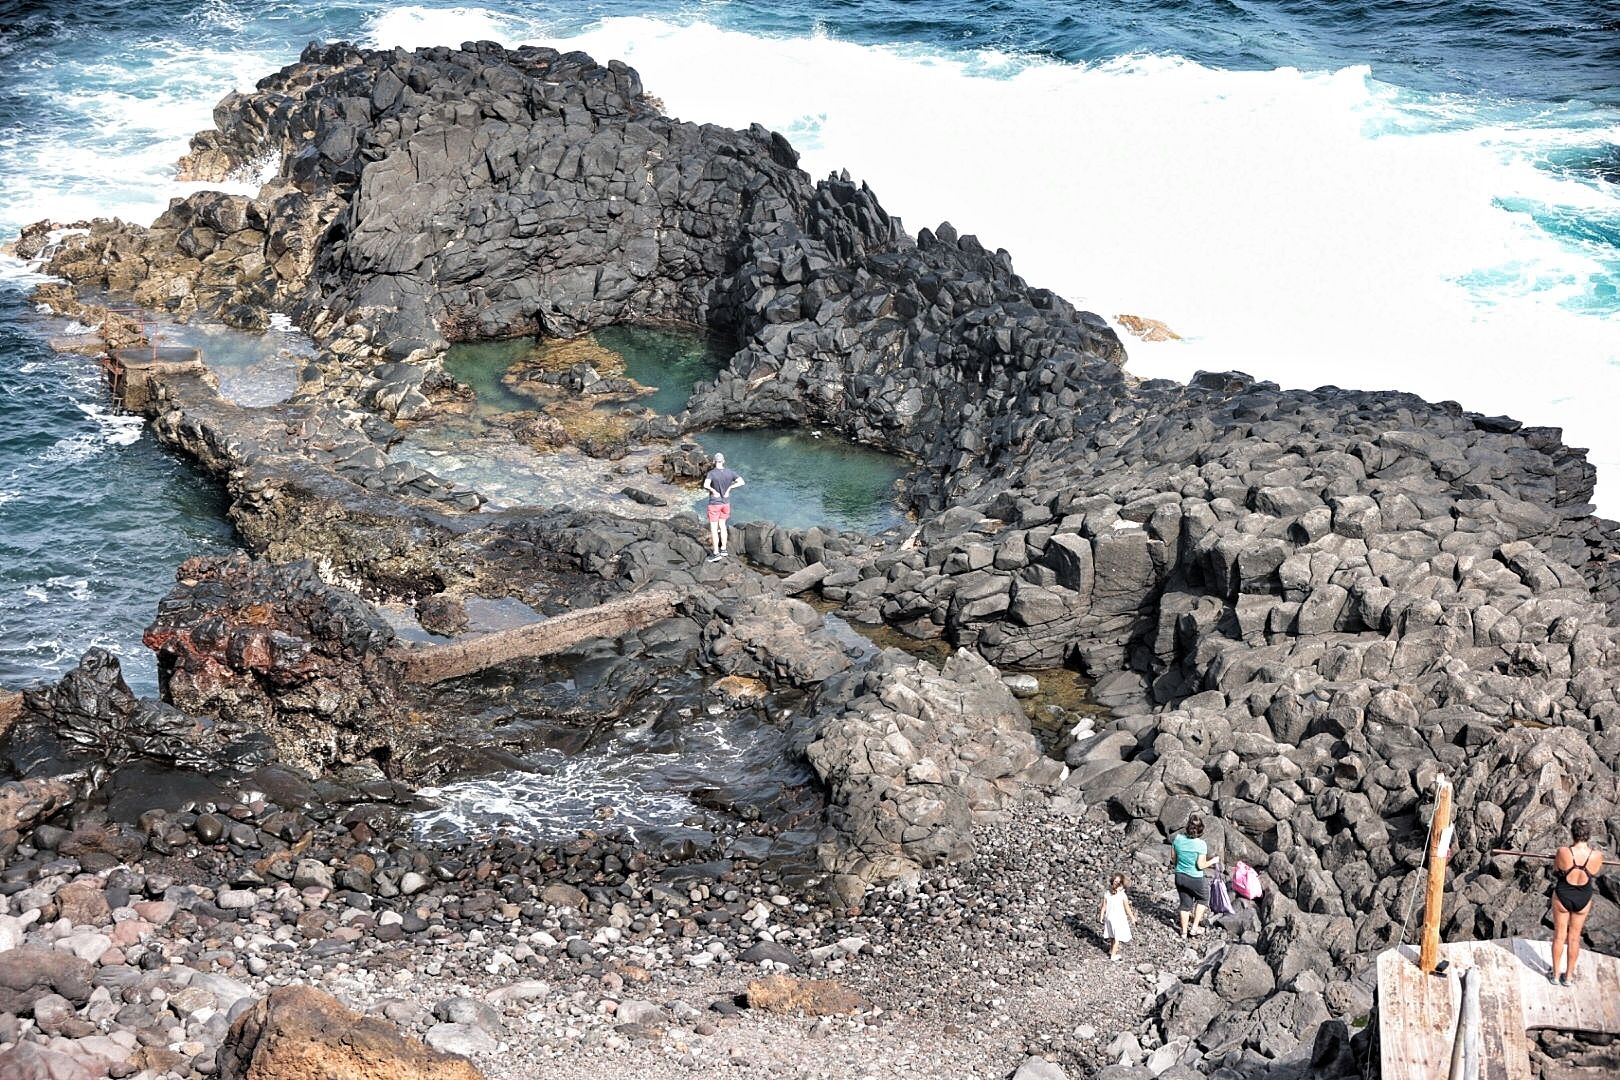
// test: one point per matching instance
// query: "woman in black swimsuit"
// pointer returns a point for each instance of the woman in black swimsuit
(1574, 866)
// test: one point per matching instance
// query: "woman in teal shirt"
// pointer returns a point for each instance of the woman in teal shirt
(1192, 886)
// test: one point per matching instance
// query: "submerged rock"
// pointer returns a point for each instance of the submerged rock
(739, 691)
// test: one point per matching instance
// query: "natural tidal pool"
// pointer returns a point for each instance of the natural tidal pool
(794, 477)
(253, 369)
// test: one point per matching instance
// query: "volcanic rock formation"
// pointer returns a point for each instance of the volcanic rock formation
(1301, 606)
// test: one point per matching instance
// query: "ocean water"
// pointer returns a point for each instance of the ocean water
(94, 516)
(1410, 194)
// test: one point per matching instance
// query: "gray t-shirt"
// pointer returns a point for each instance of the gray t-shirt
(721, 480)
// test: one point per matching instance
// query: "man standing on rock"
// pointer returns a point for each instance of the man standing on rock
(720, 483)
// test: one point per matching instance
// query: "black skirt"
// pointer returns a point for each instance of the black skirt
(1192, 891)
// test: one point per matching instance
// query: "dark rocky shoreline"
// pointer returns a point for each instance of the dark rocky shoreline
(1301, 606)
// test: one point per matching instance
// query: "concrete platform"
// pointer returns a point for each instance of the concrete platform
(132, 371)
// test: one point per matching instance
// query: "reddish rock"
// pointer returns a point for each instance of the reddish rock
(11, 707)
(739, 691)
(812, 997)
(1147, 329)
(130, 932)
(275, 651)
(156, 912)
(84, 903)
(300, 1033)
(24, 803)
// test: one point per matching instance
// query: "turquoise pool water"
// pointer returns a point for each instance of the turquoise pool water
(794, 477)
(799, 480)
(480, 364)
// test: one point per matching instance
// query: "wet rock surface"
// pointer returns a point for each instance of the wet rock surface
(1300, 607)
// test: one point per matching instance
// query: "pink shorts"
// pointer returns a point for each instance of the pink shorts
(719, 511)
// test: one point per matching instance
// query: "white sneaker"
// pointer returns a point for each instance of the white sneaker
(716, 558)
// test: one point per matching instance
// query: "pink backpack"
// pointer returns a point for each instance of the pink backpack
(1245, 881)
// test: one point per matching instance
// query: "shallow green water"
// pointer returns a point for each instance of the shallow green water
(670, 360)
(795, 478)
(798, 480)
(480, 364)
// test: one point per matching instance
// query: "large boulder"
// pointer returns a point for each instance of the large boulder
(300, 1033)
(90, 713)
(910, 753)
(277, 651)
(773, 636)
(30, 972)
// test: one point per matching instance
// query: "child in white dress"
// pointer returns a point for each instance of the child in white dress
(1117, 915)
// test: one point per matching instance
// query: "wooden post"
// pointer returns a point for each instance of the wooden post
(1439, 838)
(1465, 1049)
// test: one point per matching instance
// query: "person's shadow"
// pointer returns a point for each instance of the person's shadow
(1167, 915)
(1088, 930)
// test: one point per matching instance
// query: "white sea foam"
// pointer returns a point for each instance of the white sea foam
(116, 429)
(413, 27)
(77, 588)
(589, 791)
(1308, 228)
(24, 275)
(120, 128)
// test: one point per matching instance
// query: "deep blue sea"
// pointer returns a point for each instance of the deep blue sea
(1391, 194)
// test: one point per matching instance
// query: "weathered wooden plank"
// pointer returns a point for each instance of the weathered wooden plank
(435, 663)
(1590, 1003)
(1417, 1013)
(1505, 1050)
